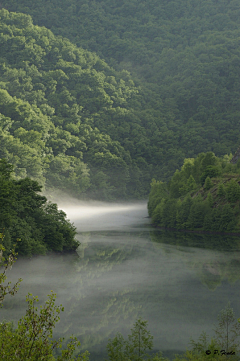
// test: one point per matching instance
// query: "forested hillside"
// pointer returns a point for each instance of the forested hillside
(204, 195)
(27, 219)
(70, 119)
(185, 54)
(174, 93)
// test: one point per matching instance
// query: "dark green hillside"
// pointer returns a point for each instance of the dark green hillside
(70, 120)
(28, 217)
(184, 53)
(105, 135)
(204, 195)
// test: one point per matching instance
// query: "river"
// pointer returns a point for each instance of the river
(124, 269)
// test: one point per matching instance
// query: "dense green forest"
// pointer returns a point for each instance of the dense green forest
(203, 195)
(26, 217)
(58, 106)
(98, 98)
(173, 94)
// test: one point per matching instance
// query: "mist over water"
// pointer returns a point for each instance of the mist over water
(93, 215)
(124, 269)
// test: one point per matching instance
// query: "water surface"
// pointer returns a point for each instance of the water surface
(124, 269)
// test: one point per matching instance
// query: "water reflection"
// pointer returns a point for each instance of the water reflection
(213, 258)
(125, 269)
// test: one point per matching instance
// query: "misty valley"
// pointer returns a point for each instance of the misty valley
(124, 268)
(119, 180)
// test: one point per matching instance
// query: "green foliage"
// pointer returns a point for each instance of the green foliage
(174, 94)
(210, 200)
(226, 339)
(139, 341)
(183, 211)
(197, 214)
(199, 348)
(135, 348)
(221, 190)
(228, 330)
(7, 263)
(69, 120)
(187, 205)
(31, 339)
(233, 191)
(28, 215)
(183, 53)
(158, 191)
(208, 184)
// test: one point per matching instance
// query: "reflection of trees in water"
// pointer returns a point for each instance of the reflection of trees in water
(211, 267)
(92, 312)
(111, 311)
(98, 257)
(95, 311)
(98, 254)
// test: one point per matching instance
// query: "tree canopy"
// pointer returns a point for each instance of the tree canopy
(204, 195)
(27, 216)
(156, 83)
(67, 118)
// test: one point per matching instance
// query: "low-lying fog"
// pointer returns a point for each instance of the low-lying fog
(93, 215)
(124, 269)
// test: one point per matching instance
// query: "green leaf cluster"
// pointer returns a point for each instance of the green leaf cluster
(32, 338)
(7, 263)
(203, 196)
(226, 340)
(26, 215)
(136, 348)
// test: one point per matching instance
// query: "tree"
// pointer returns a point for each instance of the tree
(197, 214)
(11, 258)
(27, 214)
(116, 348)
(228, 330)
(203, 350)
(140, 340)
(232, 191)
(158, 191)
(7, 194)
(221, 190)
(134, 349)
(210, 171)
(225, 341)
(183, 212)
(210, 199)
(208, 183)
(31, 339)
(228, 219)
(169, 212)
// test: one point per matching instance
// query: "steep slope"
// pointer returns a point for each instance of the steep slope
(69, 119)
(184, 53)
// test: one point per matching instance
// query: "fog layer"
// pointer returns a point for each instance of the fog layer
(124, 269)
(93, 215)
